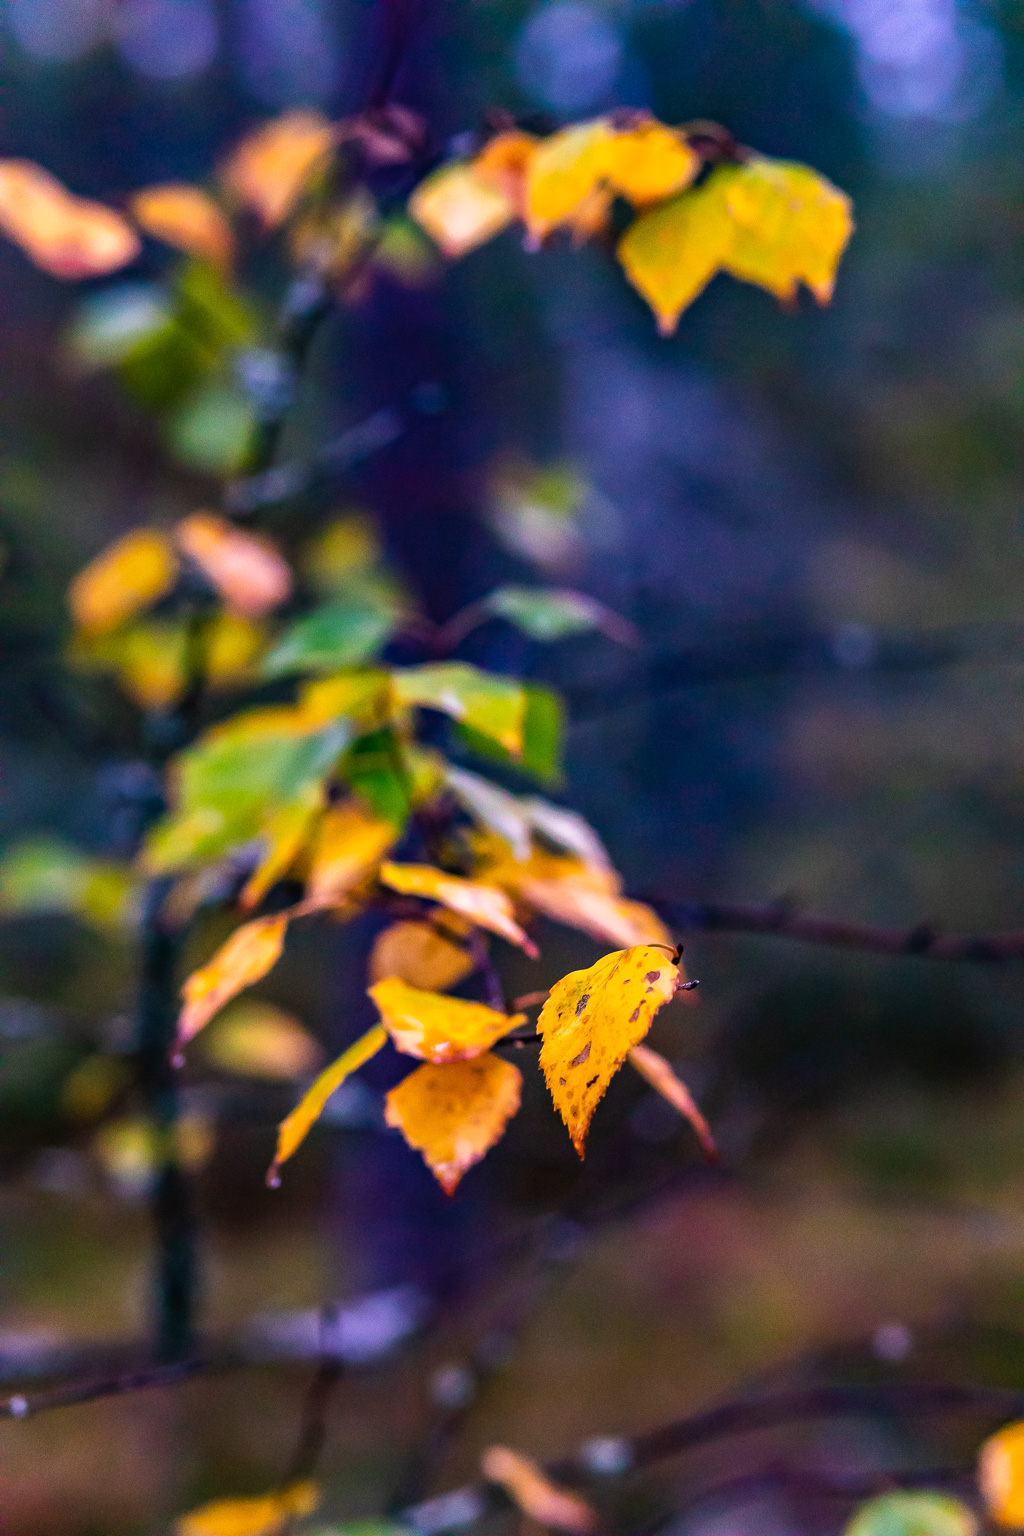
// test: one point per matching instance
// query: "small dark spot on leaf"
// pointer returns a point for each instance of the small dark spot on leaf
(635, 1014)
(584, 1000)
(562, 1081)
(578, 1061)
(652, 976)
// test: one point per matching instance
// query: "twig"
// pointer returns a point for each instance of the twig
(70, 1394)
(313, 1426)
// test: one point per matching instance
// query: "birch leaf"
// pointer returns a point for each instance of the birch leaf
(503, 163)
(131, 574)
(562, 173)
(263, 1516)
(547, 613)
(672, 252)
(530, 1488)
(649, 162)
(437, 1028)
(271, 168)
(607, 917)
(567, 829)
(186, 218)
(350, 843)
(250, 952)
(1001, 1475)
(657, 1071)
(248, 573)
(67, 236)
(484, 905)
(459, 209)
(294, 1129)
(792, 226)
(494, 706)
(591, 1021)
(418, 954)
(455, 1113)
(333, 636)
(493, 807)
(287, 832)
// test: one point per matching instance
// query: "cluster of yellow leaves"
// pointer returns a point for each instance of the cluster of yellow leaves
(767, 222)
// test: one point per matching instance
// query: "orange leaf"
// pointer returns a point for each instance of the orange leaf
(484, 905)
(529, 1487)
(416, 953)
(574, 901)
(459, 209)
(656, 1070)
(248, 954)
(1001, 1475)
(649, 162)
(271, 168)
(128, 576)
(503, 163)
(438, 1028)
(248, 573)
(294, 1129)
(187, 218)
(263, 1516)
(590, 1022)
(350, 843)
(67, 236)
(455, 1113)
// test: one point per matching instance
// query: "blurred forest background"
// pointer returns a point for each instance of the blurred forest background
(815, 519)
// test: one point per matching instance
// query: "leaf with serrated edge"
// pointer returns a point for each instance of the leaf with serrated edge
(592, 1019)
(418, 954)
(262, 1516)
(438, 1028)
(350, 843)
(250, 952)
(294, 1129)
(484, 905)
(792, 226)
(455, 1113)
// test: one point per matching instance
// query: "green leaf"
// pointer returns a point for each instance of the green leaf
(119, 323)
(543, 731)
(334, 636)
(211, 309)
(915, 1513)
(547, 613)
(213, 429)
(494, 706)
(375, 770)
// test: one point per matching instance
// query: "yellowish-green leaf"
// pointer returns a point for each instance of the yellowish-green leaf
(419, 954)
(263, 1516)
(672, 252)
(436, 1028)
(272, 167)
(455, 1113)
(792, 226)
(231, 646)
(484, 905)
(128, 576)
(562, 173)
(363, 697)
(255, 1039)
(294, 1129)
(915, 1512)
(187, 218)
(67, 236)
(494, 706)
(1001, 1475)
(46, 875)
(250, 952)
(530, 1488)
(591, 1021)
(459, 210)
(649, 162)
(151, 661)
(493, 807)
(248, 572)
(287, 832)
(349, 845)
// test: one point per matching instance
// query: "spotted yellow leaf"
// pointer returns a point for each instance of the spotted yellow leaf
(248, 954)
(350, 843)
(262, 1516)
(562, 172)
(418, 954)
(671, 252)
(128, 576)
(484, 905)
(590, 1022)
(459, 209)
(791, 226)
(271, 168)
(649, 162)
(67, 236)
(248, 573)
(187, 218)
(437, 1028)
(454, 1113)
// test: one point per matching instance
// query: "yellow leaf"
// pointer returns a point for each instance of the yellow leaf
(364, 697)
(459, 210)
(247, 572)
(562, 172)
(792, 226)
(605, 917)
(455, 1113)
(591, 217)
(418, 954)
(187, 218)
(350, 843)
(271, 168)
(67, 236)
(294, 1129)
(232, 643)
(657, 1071)
(484, 905)
(436, 1028)
(263, 1516)
(529, 1487)
(128, 576)
(1001, 1475)
(248, 954)
(591, 1021)
(287, 832)
(255, 1039)
(494, 706)
(671, 253)
(649, 162)
(152, 663)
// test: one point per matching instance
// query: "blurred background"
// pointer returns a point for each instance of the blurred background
(814, 518)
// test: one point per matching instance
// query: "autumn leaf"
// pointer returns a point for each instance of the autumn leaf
(250, 952)
(567, 829)
(913, 1512)
(255, 1039)
(271, 168)
(504, 161)
(484, 905)
(591, 1021)
(657, 1071)
(454, 1113)
(649, 162)
(552, 613)
(247, 572)
(562, 173)
(67, 236)
(263, 1516)
(294, 1129)
(1001, 1475)
(438, 1028)
(131, 574)
(187, 218)
(151, 662)
(494, 706)
(417, 953)
(232, 644)
(672, 252)
(459, 209)
(286, 833)
(493, 807)
(574, 901)
(350, 843)
(362, 697)
(530, 1488)
(791, 226)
